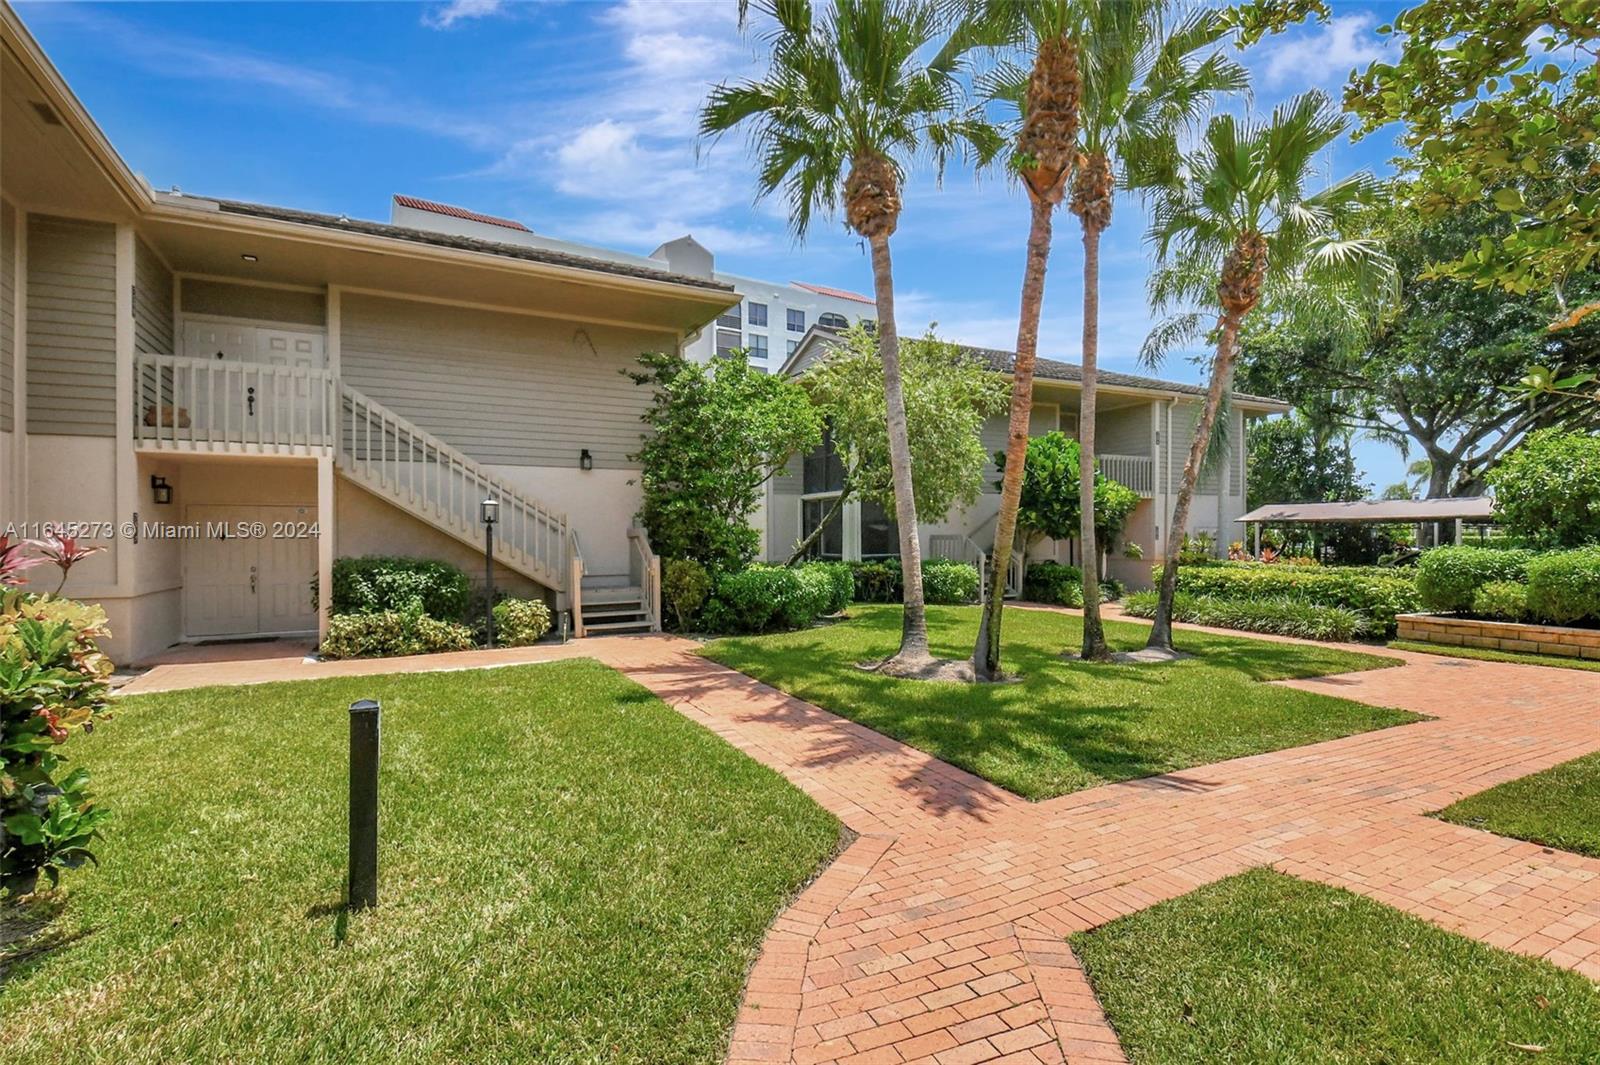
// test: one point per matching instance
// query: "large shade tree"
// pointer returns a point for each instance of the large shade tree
(1239, 227)
(848, 102)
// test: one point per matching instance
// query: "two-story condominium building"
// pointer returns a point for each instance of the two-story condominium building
(228, 396)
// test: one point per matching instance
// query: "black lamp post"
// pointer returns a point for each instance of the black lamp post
(489, 513)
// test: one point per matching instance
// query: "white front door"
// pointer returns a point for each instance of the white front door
(240, 579)
(258, 405)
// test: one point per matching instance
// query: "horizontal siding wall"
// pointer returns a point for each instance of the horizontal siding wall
(72, 325)
(505, 388)
(152, 303)
(8, 311)
(253, 301)
(1123, 432)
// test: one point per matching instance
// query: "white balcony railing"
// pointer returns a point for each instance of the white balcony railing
(200, 404)
(1135, 471)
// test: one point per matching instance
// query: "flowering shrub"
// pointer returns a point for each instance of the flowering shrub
(519, 622)
(52, 684)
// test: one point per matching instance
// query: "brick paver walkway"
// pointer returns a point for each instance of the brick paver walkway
(938, 935)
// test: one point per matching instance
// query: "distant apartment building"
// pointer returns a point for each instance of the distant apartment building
(768, 324)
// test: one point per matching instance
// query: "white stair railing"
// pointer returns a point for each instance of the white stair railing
(427, 477)
(644, 568)
(201, 404)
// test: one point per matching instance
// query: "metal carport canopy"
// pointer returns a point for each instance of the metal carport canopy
(1465, 508)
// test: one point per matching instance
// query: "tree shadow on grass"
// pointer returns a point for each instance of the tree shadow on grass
(29, 935)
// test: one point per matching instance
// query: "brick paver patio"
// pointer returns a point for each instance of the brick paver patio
(938, 934)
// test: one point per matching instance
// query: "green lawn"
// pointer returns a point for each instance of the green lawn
(1065, 726)
(1484, 654)
(570, 871)
(1262, 967)
(1559, 807)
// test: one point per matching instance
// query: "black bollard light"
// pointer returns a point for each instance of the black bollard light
(490, 513)
(366, 716)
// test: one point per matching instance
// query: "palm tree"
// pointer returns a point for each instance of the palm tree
(1141, 84)
(1239, 225)
(846, 105)
(1046, 97)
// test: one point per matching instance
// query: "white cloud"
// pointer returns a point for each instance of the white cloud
(1327, 54)
(457, 10)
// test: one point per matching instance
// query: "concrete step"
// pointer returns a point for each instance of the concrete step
(606, 595)
(616, 626)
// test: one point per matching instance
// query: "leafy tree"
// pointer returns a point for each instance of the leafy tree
(1290, 462)
(1051, 499)
(718, 432)
(1430, 378)
(1547, 491)
(847, 101)
(949, 395)
(1500, 100)
(1238, 225)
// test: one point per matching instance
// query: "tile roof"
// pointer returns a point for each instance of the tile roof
(472, 244)
(1055, 370)
(836, 293)
(416, 203)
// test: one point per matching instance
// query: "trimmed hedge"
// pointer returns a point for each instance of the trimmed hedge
(1501, 600)
(685, 584)
(944, 581)
(392, 632)
(519, 622)
(1374, 595)
(1279, 615)
(842, 585)
(376, 584)
(1564, 586)
(1052, 582)
(1448, 578)
(768, 599)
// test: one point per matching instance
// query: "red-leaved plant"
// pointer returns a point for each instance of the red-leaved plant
(63, 552)
(13, 560)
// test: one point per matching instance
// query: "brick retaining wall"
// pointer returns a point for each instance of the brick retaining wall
(1500, 635)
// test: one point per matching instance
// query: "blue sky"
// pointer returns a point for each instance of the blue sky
(578, 119)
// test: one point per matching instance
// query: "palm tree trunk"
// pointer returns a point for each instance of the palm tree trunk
(1094, 637)
(914, 628)
(986, 656)
(1221, 373)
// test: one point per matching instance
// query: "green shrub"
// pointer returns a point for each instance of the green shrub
(519, 622)
(52, 684)
(1564, 586)
(392, 632)
(685, 584)
(1375, 595)
(1547, 490)
(1279, 615)
(768, 599)
(1502, 600)
(877, 582)
(1051, 582)
(1112, 589)
(375, 584)
(841, 585)
(947, 581)
(1449, 577)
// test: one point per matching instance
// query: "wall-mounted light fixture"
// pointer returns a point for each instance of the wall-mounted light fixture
(585, 460)
(160, 490)
(247, 257)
